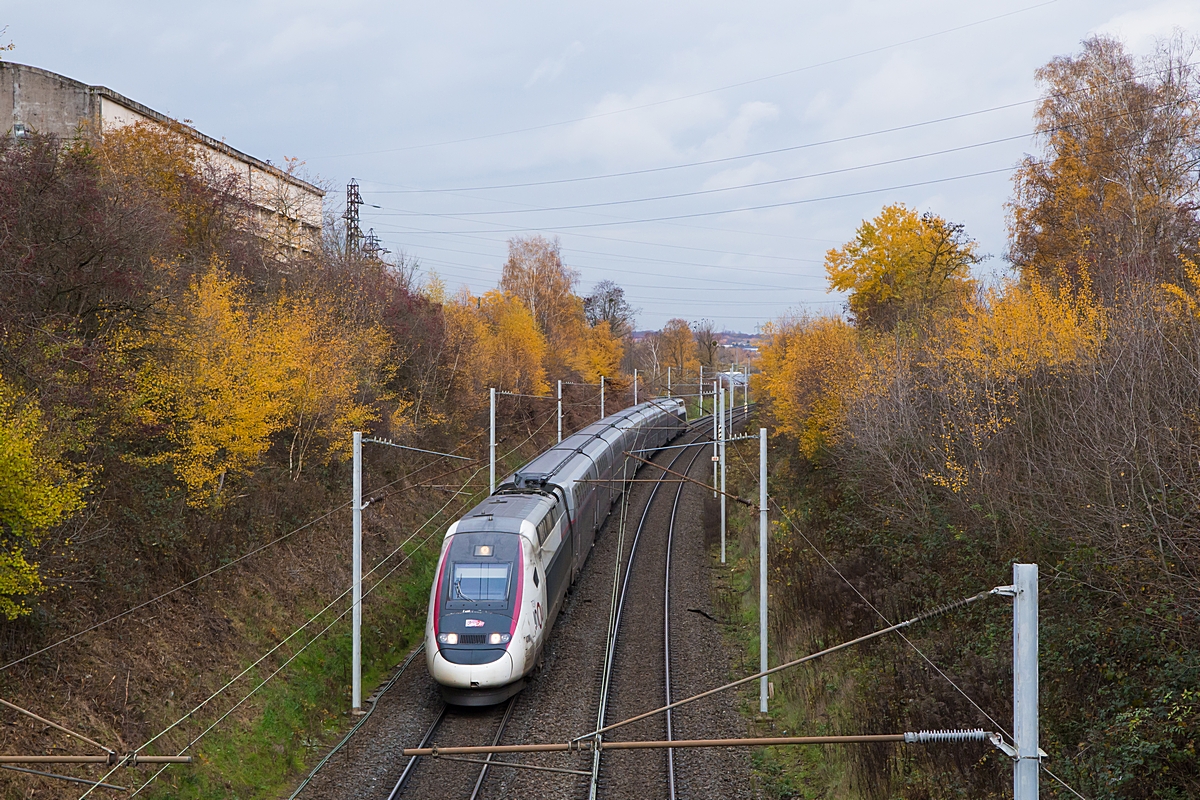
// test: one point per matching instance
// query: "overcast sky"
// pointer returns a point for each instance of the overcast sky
(439, 109)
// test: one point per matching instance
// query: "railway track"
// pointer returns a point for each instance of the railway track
(445, 775)
(636, 672)
(631, 666)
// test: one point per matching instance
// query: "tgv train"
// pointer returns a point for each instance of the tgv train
(505, 567)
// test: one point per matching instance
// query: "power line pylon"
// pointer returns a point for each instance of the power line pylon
(372, 246)
(354, 234)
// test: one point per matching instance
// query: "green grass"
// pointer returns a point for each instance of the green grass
(783, 772)
(299, 712)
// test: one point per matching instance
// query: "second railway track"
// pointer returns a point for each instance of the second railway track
(639, 659)
(563, 700)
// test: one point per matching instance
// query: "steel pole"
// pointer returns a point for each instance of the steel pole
(700, 393)
(492, 440)
(560, 411)
(723, 438)
(746, 389)
(762, 568)
(635, 387)
(1025, 681)
(668, 381)
(601, 397)
(356, 577)
(716, 435)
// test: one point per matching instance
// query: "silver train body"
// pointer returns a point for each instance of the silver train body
(505, 567)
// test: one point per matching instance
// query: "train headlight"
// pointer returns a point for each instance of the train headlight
(448, 638)
(498, 638)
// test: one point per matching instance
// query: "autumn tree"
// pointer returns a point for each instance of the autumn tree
(707, 346)
(901, 266)
(536, 275)
(1115, 192)
(811, 372)
(226, 378)
(38, 489)
(607, 303)
(161, 165)
(495, 341)
(677, 346)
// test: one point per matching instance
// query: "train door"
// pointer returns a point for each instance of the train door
(558, 559)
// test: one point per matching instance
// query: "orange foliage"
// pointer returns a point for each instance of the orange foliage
(224, 379)
(811, 369)
(498, 342)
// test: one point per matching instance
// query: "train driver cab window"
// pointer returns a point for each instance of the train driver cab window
(544, 527)
(480, 582)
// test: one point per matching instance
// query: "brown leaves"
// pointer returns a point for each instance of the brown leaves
(1115, 192)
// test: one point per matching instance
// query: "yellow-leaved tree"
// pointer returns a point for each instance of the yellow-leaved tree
(495, 341)
(812, 369)
(218, 391)
(598, 354)
(224, 381)
(902, 266)
(678, 347)
(38, 489)
(324, 364)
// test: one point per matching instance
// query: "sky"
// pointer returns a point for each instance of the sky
(704, 156)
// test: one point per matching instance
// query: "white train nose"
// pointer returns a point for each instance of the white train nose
(470, 676)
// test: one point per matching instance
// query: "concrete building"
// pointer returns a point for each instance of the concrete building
(33, 99)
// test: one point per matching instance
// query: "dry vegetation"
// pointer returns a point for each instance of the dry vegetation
(950, 430)
(177, 390)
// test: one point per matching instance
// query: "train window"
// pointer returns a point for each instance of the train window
(478, 582)
(543, 529)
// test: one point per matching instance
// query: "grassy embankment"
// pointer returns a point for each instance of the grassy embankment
(296, 717)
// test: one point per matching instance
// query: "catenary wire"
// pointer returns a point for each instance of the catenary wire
(286, 639)
(1066, 785)
(312, 619)
(199, 578)
(872, 606)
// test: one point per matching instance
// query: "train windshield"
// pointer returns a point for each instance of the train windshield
(480, 582)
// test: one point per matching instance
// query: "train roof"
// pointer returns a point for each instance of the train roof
(495, 513)
(599, 434)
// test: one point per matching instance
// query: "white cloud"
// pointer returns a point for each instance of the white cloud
(1141, 27)
(551, 68)
(733, 138)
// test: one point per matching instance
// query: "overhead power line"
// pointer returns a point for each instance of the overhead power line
(718, 190)
(623, 240)
(718, 212)
(777, 181)
(703, 92)
(710, 161)
(490, 271)
(402, 189)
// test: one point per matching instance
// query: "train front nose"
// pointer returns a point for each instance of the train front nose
(476, 598)
(497, 671)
